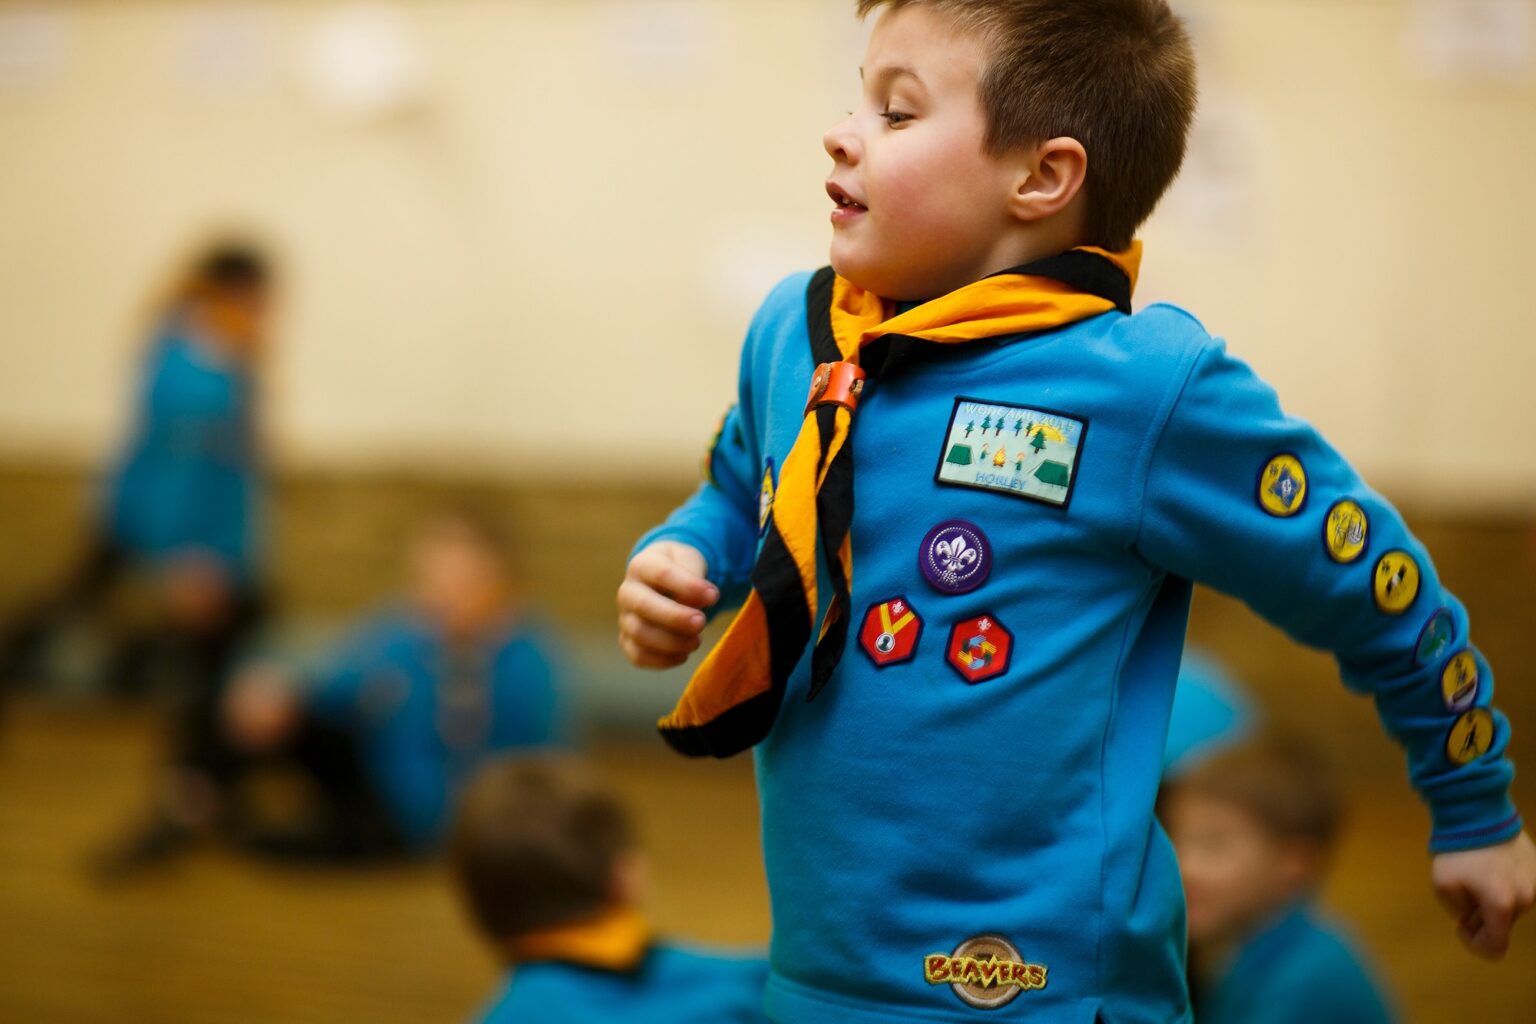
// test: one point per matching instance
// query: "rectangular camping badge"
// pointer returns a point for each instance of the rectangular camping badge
(1012, 449)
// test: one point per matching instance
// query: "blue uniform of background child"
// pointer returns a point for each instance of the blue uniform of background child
(400, 717)
(910, 814)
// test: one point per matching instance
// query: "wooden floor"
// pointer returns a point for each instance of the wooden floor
(215, 939)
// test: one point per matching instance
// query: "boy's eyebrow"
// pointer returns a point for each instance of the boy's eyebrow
(893, 71)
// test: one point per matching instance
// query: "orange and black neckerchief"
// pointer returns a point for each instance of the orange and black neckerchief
(734, 696)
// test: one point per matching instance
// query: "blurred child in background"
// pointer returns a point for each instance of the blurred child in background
(1254, 826)
(410, 706)
(180, 516)
(549, 868)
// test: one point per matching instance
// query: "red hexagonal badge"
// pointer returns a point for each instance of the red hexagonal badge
(890, 631)
(979, 648)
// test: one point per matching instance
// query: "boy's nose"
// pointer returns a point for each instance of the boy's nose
(840, 142)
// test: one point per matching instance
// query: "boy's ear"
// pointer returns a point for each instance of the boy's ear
(630, 879)
(1050, 176)
(1303, 862)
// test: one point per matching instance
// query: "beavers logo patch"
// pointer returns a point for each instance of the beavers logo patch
(985, 972)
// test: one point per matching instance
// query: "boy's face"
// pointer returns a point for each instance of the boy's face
(921, 207)
(455, 580)
(236, 317)
(1236, 872)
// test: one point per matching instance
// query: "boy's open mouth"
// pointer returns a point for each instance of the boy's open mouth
(843, 199)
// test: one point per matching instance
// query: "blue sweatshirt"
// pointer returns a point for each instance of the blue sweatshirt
(426, 716)
(1297, 969)
(963, 817)
(672, 985)
(189, 478)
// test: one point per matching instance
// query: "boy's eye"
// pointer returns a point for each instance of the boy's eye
(894, 118)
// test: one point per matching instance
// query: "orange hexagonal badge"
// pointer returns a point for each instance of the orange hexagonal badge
(979, 648)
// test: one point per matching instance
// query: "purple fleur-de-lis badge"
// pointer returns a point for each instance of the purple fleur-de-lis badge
(955, 557)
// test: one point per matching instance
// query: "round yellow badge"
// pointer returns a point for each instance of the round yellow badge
(1458, 682)
(1396, 582)
(1470, 737)
(1283, 486)
(1346, 532)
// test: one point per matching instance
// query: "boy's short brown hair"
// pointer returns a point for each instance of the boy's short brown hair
(535, 842)
(1116, 75)
(1282, 781)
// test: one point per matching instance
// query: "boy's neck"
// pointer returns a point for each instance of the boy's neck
(1039, 242)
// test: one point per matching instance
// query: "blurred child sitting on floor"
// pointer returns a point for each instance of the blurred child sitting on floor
(548, 867)
(1254, 826)
(411, 705)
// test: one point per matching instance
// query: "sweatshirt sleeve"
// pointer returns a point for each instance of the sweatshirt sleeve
(1242, 497)
(721, 519)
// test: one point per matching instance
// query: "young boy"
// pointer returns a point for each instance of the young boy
(1254, 826)
(412, 705)
(547, 863)
(958, 816)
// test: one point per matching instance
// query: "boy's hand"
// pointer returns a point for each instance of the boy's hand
(1486, 890)
(260, 709)
(660, 602)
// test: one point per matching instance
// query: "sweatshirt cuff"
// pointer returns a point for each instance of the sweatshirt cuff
(1471, 825)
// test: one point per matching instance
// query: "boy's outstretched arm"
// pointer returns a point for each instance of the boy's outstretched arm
(1238, 495)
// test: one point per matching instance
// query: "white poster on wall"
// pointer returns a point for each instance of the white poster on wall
(226, 49)
(32, 40)
(1472, 40)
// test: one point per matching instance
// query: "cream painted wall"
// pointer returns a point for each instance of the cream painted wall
(544, 266)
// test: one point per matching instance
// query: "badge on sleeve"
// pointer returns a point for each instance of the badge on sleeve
(1458, 682)
(1011, 449)
(714, 442)
(980, 648)
(1438, 634)
(890, 632)
(955, 557)
(765, 500)
(1470, 737)
(1283, 486)
(1395, 582)
(1346, 532)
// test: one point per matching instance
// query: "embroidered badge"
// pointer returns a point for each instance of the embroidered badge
(1458, 682)
(1470, 737)
(1283, 486)
(985, 972)
(890, 632)
(1395, 582)
(980, 648)
(1346, 532)
(714, 442)
(955, 557)
(1011, 449)
(765, 500)
(1438, 634)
